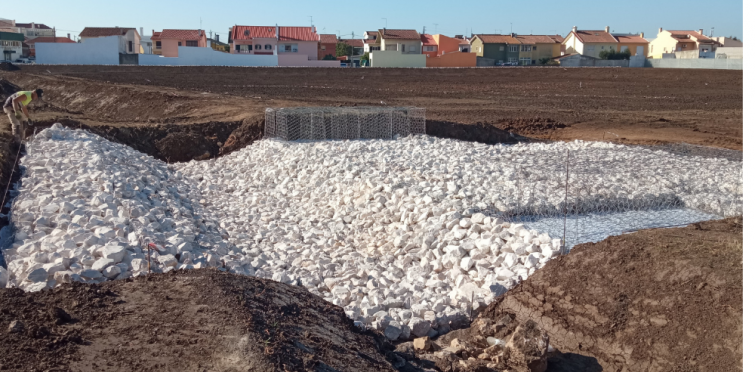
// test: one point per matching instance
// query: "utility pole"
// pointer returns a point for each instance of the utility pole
(423, 30)
(386, 22)
(310, 21)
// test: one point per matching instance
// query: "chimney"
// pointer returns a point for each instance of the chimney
(32, 25)
(642, 35)
(199, 33)
(700, 31)
(141, 31)
(277, 32)
(69, 36)
(574, 29)
(608, 29)
(660, 30)
(217, 38)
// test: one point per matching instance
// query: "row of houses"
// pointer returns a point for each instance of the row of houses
(304, 46)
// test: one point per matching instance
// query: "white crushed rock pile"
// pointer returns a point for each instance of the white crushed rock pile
(385, 229)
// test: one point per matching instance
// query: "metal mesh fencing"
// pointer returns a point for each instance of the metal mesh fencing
(324, 123)
(586, 195)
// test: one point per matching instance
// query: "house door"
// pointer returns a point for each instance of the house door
(640, 50)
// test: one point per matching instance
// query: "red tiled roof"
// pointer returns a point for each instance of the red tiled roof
(557, 38)
(356, 43)
(49, 39)
(371, 33)
(400, 34)
(634, 39)
(427, 39)
(155, 35)
(182, 34)
(597, 36)
(328, 39)
(497, 39)
(105, 31)
(696, 34)
(286, 33)
(535, 39)
(37, 26)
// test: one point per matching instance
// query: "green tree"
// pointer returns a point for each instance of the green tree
(614, 55)
(329, 57)
(343, 49)
(544, 61)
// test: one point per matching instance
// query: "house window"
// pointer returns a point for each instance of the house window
(179, 43)
(192, 43)
(158, 44)
(526, 48)
(429, 48)
(624, 48)
(257, 47)
(130, 46)
(501, 48)
(512, 59)
(479, 49)
(412, 48)
(268, 47)
(513, 48)
(391, 47)
(322, 47)
(525, 61)
(288, 48)
(602, 47)
(403, 48)
(684, 46)
(534, 47)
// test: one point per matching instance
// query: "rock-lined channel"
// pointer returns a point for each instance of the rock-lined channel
(385, 229)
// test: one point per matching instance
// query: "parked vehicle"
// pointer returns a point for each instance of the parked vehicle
(22, 60)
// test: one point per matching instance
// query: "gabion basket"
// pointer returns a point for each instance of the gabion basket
(325, 123)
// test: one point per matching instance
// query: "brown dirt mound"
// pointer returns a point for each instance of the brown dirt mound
(528, 126)
(186, 146)
(249, 131)
(480, 132)
(6, 89)
(6, 66)
(655, 300)
(198, 320)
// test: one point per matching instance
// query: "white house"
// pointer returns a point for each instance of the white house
(129, 40)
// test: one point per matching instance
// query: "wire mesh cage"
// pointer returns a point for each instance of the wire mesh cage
(587, 194)
(325, 123)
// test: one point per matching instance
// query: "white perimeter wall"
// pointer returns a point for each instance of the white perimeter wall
(302, 60)
(95, 51)
(710, 63)
(194, 56)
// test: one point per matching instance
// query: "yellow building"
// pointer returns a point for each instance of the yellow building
(636, 44)
(681, 41)
(535, 48)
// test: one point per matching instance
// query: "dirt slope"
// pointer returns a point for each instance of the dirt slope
(199, 320)
(655, 300)
(643, 106)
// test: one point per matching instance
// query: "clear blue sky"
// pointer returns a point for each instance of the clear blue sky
(451, 17)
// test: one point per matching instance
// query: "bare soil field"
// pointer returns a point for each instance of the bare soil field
(643, 106)
(655, 300)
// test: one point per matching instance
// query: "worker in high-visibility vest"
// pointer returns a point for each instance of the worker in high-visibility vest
(16, 108)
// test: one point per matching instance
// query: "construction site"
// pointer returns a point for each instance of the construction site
(260, 219)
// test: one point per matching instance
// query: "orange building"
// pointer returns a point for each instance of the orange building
(443, 51)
